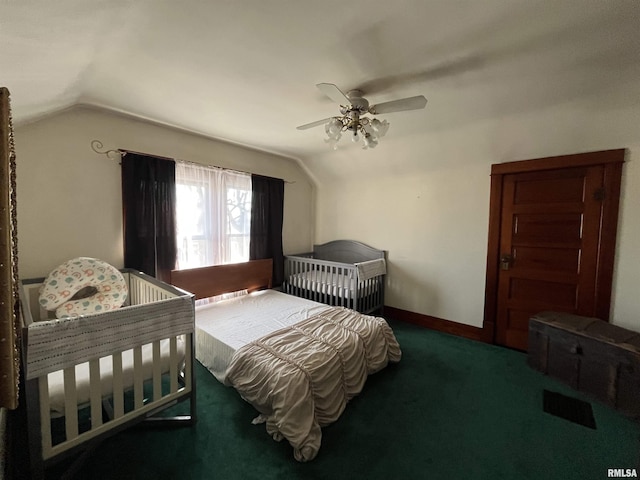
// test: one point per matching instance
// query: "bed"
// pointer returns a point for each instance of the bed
(298, 362)
(91, 376)
(341, 273)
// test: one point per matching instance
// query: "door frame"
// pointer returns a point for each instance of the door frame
(612, 161)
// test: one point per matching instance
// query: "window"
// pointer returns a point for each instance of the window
(213, 215)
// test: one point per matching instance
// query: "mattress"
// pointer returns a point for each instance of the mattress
(83, 390)
(334, 284)
(224, 327)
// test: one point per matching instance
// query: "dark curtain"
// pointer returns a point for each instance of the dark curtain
(148, 203)
(267, 204)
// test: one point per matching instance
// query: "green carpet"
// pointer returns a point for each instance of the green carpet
(451, 409)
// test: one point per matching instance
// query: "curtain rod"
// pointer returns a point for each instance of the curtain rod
(98, 147)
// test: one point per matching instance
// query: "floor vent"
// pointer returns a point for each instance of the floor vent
(569, 408)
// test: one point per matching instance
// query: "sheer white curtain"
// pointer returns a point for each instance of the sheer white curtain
(213, 215)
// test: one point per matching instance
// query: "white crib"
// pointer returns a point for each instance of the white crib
(113, 369)
(333, 274)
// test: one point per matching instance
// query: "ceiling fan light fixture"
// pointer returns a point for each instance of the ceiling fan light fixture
(353, 108)
(361, 128)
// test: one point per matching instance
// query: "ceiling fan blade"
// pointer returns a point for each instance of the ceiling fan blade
(410, 103)
(334, 93)
(314, 124)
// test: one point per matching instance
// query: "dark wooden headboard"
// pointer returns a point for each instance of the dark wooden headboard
(207, 282)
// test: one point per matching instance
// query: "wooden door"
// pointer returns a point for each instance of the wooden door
(554, 240)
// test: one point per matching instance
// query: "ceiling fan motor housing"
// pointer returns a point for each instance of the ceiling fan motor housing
(358, 102)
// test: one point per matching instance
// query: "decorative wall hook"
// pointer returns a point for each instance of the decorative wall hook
(98, 147)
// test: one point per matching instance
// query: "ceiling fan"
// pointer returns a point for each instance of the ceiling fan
(352, 119)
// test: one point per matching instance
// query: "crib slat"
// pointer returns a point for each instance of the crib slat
(118, 389)
(323, 284)
(70, 403)
(173, 364)
(45, 414)
(316, 295)
(95, 388)
(342, 293)
(157, 371)
(333, 285)
(374, 293)
(138, 380)
(362, 296)
(327, 287)
(304, 292)
(188, 339)
(291, 278)
(353, 288)
(308, 292)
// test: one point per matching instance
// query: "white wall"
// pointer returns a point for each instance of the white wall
(69, 198)
(425, 199)
(427, 202)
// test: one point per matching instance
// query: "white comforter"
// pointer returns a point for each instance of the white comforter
(300, 378)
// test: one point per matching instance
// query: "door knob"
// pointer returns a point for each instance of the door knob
(505, 261)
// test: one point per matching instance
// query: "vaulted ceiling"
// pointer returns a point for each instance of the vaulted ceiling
(245, 70)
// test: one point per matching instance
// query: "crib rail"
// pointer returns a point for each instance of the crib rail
(144, 289)
(156, 314)
(371, 295)
(332, 283)
(38, 389)
(321, 281)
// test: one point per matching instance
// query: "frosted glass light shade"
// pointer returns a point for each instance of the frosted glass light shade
(380, 128)
(370, 141)
(334, 127)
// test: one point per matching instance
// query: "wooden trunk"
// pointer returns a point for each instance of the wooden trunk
(590, 355)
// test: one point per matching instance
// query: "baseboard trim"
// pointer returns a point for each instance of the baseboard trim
(435, 323)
